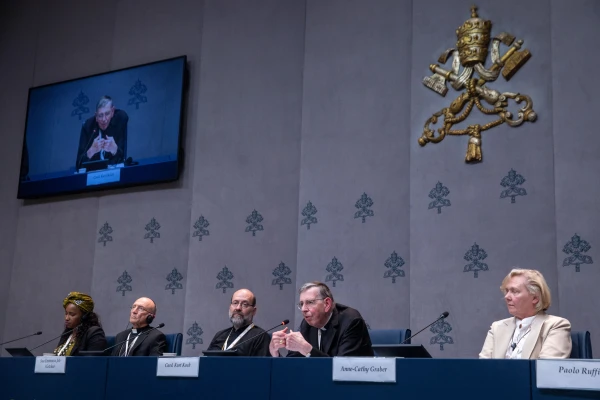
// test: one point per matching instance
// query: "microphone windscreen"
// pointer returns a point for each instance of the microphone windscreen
(445, 314)
(285, 322)
(39, 333)
(161, 325)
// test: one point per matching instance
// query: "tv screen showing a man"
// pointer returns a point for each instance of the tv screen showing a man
(103, 138)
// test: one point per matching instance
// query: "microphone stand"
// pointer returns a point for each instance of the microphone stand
(59, 336)
(282, 323)
(444, 315)
(14, 340)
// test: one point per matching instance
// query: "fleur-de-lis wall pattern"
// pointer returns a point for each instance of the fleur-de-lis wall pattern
(475, 255)
(194, 332)
(440, 329)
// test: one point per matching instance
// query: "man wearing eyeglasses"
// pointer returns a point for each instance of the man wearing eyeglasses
(142, 339)
(329, 329)
(103, 136)
(241, 312)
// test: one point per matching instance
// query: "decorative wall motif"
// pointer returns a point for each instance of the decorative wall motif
(471, 53)
(224, 277)
(254, 220)
(334, 268)
(200, 228)
(195, 332)
(137, 91)
(80, 103)
(152, 227)
(124, 283)
(512, 181)
(281, 273)
(105, 232)
(475, 256)
(309, 215)
(174, 279)
(393, 263)
(438, 194)
(440, 329)
(364, 205)
(575, 249)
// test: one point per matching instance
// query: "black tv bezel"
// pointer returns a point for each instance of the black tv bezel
(115, 185)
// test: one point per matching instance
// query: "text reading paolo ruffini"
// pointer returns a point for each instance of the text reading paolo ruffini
(355, 369)
(568, 374)
(50, 365)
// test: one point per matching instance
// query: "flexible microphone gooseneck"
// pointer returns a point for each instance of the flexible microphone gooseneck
(132, 338)
(59, 336)
(79, 162)
(444, 315)
(282, 323)
(14, 340)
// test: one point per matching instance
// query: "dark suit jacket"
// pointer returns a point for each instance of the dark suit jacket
(117, 129)
(346, 335)
(153, 343)
(258, 347)
(92, 340)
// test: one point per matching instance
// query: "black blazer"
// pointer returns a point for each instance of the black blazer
(117, 129)
(346, 335)
(92, 340)
(153, 343)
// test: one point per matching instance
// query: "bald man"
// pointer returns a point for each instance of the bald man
(241, 312)
(141, 340)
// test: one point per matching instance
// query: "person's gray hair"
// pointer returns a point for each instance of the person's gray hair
(324, 290)
(104, 101)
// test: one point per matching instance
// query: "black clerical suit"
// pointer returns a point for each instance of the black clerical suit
(92, 340)
(258, 347)
(117, 129)
(149, 343)
(345, 334)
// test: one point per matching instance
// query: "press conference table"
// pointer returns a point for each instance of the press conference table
(265, 378)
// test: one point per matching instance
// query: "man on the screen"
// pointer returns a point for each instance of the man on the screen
(103, 136)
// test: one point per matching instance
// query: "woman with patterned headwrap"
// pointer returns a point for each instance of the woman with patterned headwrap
(82, 323)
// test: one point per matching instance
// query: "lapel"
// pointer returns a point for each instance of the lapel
(141, 337)
(504, 336)
(331, 332)
(533, 336)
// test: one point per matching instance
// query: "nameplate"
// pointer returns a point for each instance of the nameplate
(186, 367)
(104, 176)
(568, 374)
(355, 369)
(50, 365)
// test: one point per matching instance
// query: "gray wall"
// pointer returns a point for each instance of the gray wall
(292, 102)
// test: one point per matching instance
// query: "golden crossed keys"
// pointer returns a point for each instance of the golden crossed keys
(471, 53)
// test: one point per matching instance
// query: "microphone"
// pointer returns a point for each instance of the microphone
(132, 338)
(14, 340)
(282, 323)
(59, 336)
(87, 147)
(444, 315)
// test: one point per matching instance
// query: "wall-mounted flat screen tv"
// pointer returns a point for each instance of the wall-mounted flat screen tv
(116, 129)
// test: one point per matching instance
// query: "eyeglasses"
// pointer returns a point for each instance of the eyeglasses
(103, 115)
(244, 304)
(139, 308)
(309, 303)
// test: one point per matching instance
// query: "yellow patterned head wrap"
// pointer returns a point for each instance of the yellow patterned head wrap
(81, 300)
